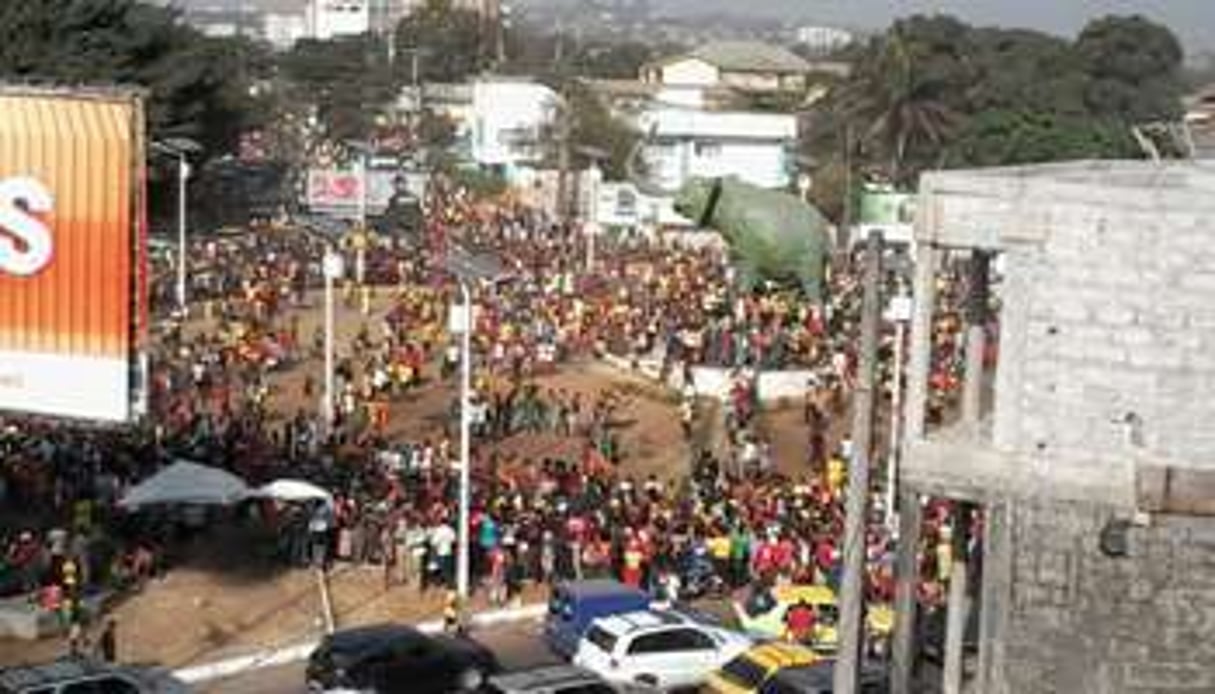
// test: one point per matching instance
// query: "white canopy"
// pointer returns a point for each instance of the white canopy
(184, 482)
(291, 490)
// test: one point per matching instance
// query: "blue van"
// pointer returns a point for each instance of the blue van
(575, 604)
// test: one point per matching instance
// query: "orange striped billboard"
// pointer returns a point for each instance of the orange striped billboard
(72, 306)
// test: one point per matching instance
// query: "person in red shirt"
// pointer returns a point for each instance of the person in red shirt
(800, 620)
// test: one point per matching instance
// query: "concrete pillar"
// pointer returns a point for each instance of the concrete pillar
(995, 581)
(907, 575)
(958, 610)
(920, 347)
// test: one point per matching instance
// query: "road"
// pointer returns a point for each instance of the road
(516, 645)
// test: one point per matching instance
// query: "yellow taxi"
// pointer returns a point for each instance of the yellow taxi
(763, 614)
(749, 671)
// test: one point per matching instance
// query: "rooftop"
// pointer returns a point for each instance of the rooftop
(749, 56)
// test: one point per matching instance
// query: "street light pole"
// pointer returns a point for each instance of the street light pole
(360, 260)
(331, 267)
(183, 175)
(466, 323)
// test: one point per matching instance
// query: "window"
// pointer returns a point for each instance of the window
(602, 639)
(694, 640)
(659, 642)
(708, 150)
(670, 641)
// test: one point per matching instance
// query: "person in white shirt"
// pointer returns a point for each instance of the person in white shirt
(442, 538)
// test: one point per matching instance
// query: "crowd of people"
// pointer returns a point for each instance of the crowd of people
(222, 392)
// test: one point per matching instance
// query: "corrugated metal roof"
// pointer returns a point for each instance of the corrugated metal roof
(748, 56)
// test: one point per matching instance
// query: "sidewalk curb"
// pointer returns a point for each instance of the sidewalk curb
(292, 654)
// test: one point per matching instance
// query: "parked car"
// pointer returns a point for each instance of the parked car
(575, 604)
(556, 679)
(666, 650)
(396, 658)
(87, 676)
(747, 673)
(819, 679)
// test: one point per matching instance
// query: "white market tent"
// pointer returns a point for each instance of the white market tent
(291, 490)
(185, 482)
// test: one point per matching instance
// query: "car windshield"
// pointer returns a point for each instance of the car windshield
(601, 638)
(745, 672)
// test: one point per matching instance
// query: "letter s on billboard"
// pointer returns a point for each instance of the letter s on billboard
(72, 260)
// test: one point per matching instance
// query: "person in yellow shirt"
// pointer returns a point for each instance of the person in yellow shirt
(837, 472)
(719, 551)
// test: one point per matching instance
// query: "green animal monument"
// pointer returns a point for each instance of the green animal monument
(773, 237)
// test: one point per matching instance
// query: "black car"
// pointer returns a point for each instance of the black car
(395, 658)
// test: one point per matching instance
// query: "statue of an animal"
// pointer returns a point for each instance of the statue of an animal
(772, 236)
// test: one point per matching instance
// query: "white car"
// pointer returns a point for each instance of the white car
(664, 650)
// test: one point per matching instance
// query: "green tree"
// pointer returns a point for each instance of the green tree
(899, 98)
(594, 128)
(452, 43)
(198, 87)
(1135, 69)
(934, 92)
(1005, 137)
(610, 60)
(348, 80)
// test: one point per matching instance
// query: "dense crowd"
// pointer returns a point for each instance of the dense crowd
(225, 391)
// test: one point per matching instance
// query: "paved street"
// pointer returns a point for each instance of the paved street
(516, 645)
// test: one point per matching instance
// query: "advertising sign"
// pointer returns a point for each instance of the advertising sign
(72, 275)
(338, 193)
(889, 212)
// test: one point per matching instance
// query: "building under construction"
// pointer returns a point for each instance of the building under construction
(1091, 448)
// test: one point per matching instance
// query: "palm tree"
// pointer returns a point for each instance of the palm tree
(895, 105)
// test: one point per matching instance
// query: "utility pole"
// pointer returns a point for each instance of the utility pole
(563, 156)
(463, 533)
(852, 591)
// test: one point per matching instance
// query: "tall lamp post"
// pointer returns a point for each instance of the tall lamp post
(466, 269)
(333, 267)
(360, 258)
(180, 148)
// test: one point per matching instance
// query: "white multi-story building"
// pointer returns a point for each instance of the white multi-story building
(824, 39)
(509, 121)
(687, 142)
(327, 19)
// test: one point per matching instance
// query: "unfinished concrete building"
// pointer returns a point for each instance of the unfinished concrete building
(1092, 454)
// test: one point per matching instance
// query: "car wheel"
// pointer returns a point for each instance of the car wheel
(470, 680)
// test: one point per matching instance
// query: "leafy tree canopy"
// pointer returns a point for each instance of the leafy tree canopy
(452, 44)
(347, 79)
(198, 86)
(933, 91)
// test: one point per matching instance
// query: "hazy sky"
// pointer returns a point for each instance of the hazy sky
(1192, 20)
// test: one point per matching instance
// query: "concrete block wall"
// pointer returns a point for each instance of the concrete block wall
(1076, 621)
(1107, 354)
